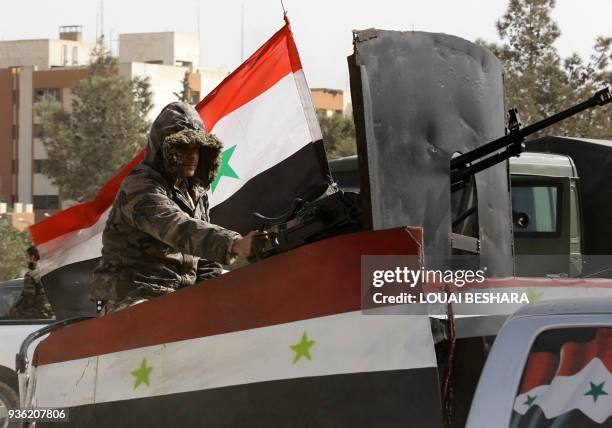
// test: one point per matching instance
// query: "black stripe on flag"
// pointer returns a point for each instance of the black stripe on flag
(304, 175)
(535, 418)
(67, 289)
(395, 398)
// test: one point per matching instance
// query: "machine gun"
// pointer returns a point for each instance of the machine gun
(513, 143)
(305, 222)
(340, 212)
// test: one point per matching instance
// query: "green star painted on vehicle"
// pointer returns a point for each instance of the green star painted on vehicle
(225, 170)
(302, 349)
(530, 400)
(534, 296)
(141, 374)
(596, 391)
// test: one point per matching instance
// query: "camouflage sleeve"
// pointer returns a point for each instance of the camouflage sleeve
(29, 285)
(156, 214)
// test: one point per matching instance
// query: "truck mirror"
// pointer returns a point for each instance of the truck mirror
(522, 220)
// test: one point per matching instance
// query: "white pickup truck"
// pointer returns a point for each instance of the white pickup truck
(12, 334)
(549, 367)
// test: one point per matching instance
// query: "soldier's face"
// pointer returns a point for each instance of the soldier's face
(189, 161)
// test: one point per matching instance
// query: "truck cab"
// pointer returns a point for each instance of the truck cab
(546, 215)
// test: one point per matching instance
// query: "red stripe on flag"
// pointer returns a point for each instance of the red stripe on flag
(270, 63)
(542, 367)
(576, 355)
(85, 214)
(281, 289)
(539, 370)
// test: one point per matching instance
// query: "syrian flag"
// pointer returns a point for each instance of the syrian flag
(274, 153)
(264, 116)
(275, 343)
(567, 380)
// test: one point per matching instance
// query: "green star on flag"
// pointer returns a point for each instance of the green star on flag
(534, 296)
(530, 400)
(596, 391)
(225, 170)
(302, 349)
(141, 374)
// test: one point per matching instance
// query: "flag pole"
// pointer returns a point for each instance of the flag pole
(242, 31)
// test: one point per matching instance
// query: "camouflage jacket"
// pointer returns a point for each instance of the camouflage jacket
(158, 235)
(33, 302)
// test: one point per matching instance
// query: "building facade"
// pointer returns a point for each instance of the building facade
(31, 70)
(328, 101)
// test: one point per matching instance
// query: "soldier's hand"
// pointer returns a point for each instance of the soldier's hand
(243, 247)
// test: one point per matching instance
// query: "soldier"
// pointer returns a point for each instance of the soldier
(158, 237)
(33, 303)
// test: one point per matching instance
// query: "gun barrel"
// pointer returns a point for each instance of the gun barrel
(601, 97)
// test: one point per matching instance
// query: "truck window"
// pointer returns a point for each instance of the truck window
(566, 381)
(8, 296)
(535, 208)
(464, 209)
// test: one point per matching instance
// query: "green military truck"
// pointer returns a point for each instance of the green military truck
(550, 204)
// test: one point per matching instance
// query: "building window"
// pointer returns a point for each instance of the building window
(39, 131)
(195, 97)
(535, 208)
(75, 56)
(46, 202)
(64, 54)
(47, 93)
(38, 166)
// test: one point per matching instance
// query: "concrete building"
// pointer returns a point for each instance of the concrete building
(328, 101)
(167, 48)
(31, 70)
(21, 218)
(67, 51)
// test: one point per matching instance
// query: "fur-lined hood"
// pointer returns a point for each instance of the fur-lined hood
(179, 125)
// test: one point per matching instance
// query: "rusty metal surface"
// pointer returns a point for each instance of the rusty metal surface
(417, 99)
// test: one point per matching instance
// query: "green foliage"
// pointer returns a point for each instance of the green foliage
(185, 94)
(539, 82)
(105, 127)
(13, 245)
(338, 135)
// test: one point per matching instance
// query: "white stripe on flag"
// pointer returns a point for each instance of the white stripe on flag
(73, 247)
(307, 106)
(266, 131)
(344, 343)
(566, 393)
(60, 390)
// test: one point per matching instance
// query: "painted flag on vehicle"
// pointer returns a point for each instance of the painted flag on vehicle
(246, 349)
(273, 153)
(567, 381)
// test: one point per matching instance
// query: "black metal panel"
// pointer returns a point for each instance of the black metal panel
(417, 99)
(68, 290)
